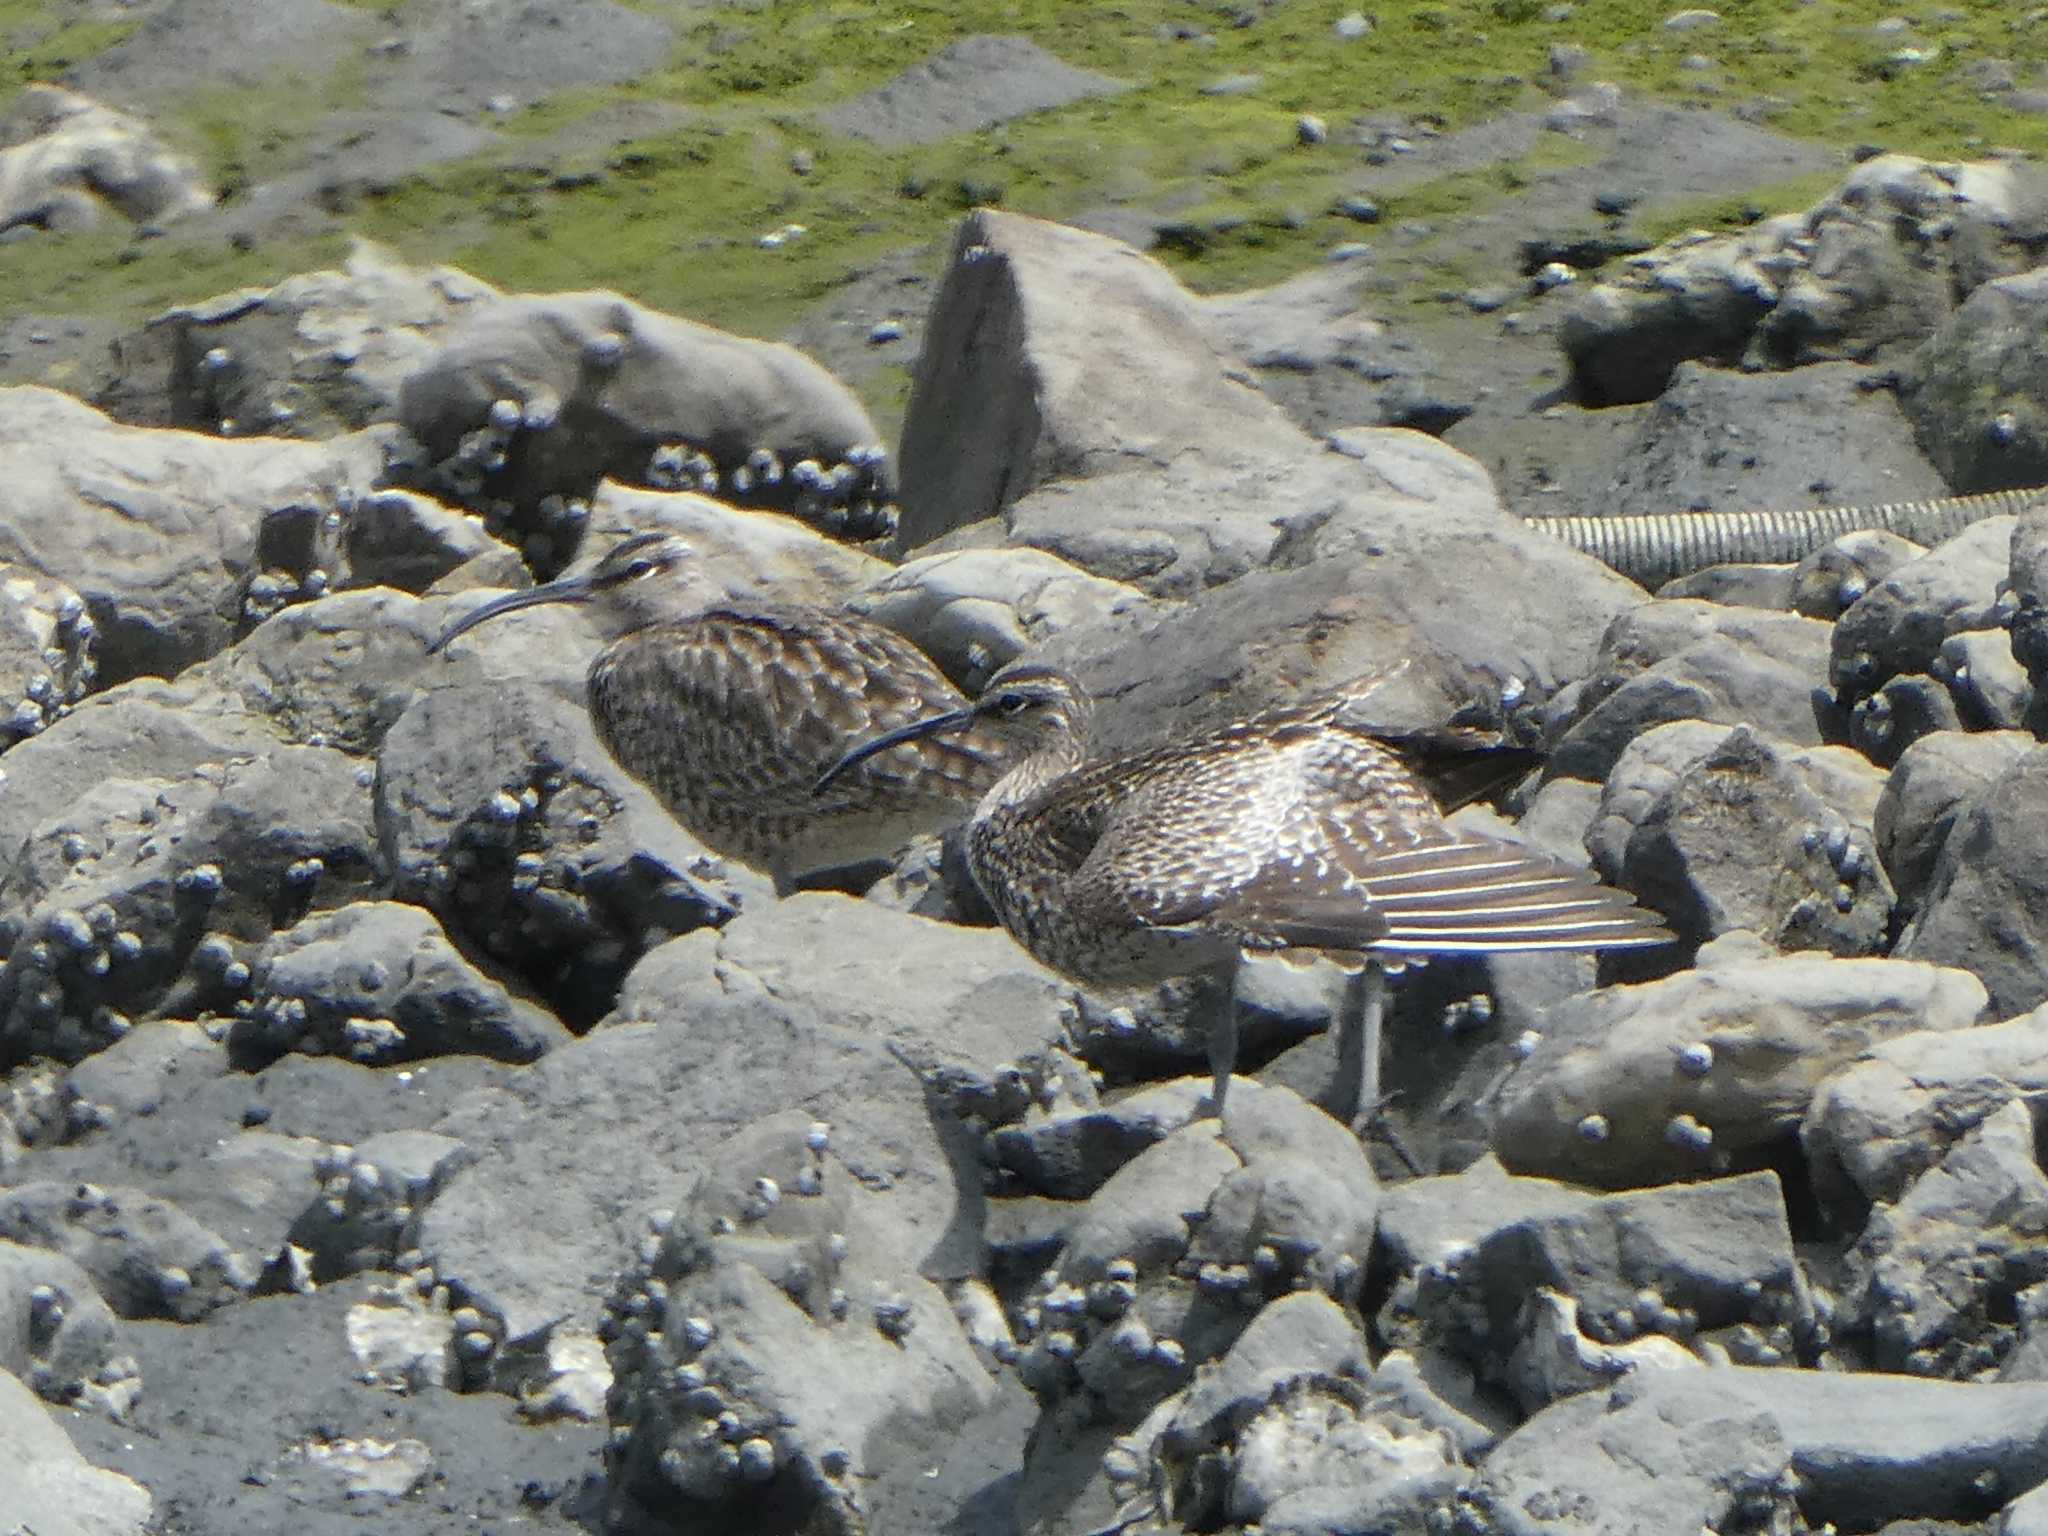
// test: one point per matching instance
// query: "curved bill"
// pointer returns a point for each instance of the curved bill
(574, 591)
(917, 730)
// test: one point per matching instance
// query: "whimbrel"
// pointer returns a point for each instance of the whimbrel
(1296, 829)
(729, 711)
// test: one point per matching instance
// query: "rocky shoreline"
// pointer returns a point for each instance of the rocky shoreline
(405, 1119)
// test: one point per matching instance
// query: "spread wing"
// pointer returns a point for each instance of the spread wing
(1320, 838)
(751, 705)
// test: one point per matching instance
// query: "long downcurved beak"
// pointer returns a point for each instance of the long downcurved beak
(568, 590)
(917, 730)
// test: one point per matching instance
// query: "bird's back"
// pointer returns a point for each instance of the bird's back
(730, 717)
(1290, 829)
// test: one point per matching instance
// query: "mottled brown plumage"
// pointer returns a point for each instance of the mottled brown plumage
(1295, 829)
(730, 711)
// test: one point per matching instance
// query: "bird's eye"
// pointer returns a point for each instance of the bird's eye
(1012, 703)
(635, 569)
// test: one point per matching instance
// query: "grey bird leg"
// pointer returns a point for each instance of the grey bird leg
(1358, 1042)
(1223, 1037)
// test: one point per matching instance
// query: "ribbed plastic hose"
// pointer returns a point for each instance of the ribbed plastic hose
(1660, 546)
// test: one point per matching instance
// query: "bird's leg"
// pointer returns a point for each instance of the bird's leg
(1358, 1041)
(1223, 1035)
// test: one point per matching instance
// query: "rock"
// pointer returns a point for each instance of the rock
(132, 1077)
(1735, 441)
(1295, 1341)
(147, 1257)
(1689, 660)
(109, 922)
(975, 610)
(1739, 586)
(1328, 364)
(1934, 781)
(405, 540)
(1711, 1069)
(67, 158)
(373, 1197)
(1834, 576)
(500, 812)
(1991, 690)
(794, 1329)
(175, 541)
(1070, 1156)
(1744, 833)
(1184, 1243)
(57, 1336)
(2027, 583)
(47, 644)
(1648, 1280)
(1865, 1448)
(1889, 1116)
(879, 1021)
(1932, 1275)
(1013, 388)
(318, 355)
(52, 1489)
(1899, 625)
(339, 671)
(1662, 1449)
(534, 398)
(1851, 277)
(311, 1427)
(971, 84)
(378, 981)
(1973, 392)
(1982, 901)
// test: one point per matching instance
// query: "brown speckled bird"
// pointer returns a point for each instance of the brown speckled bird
(729, 711)
(1296, 829)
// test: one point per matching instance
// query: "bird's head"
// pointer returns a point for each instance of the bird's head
(643, 579)
(1027, 708)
